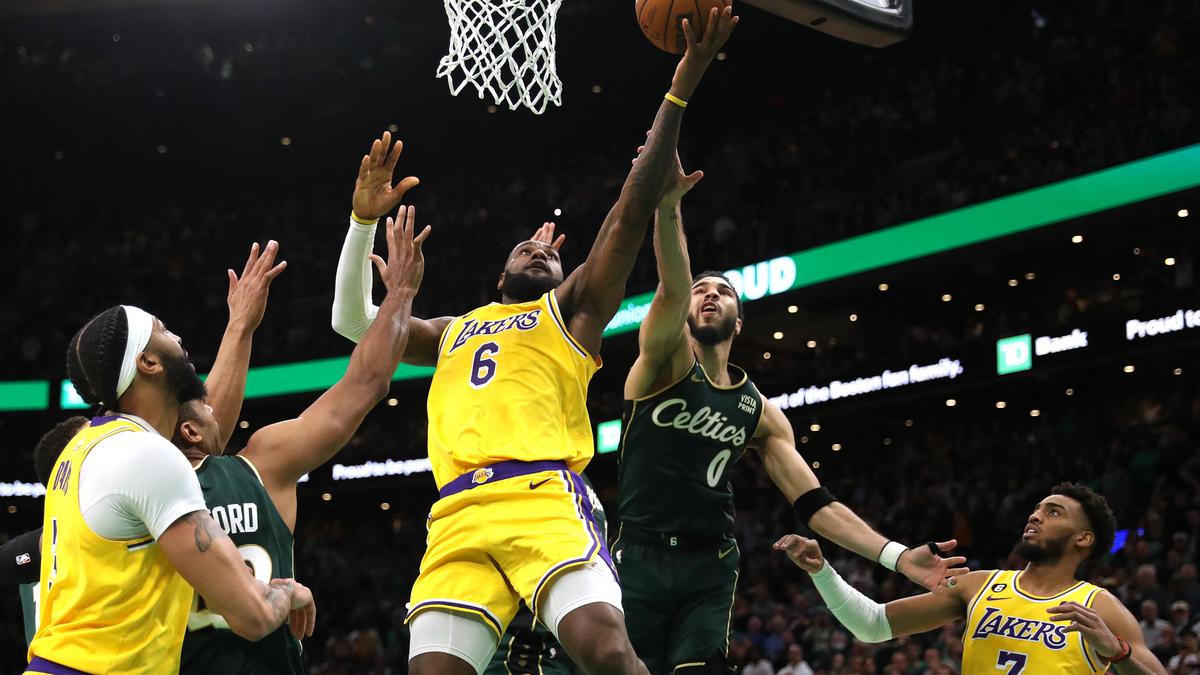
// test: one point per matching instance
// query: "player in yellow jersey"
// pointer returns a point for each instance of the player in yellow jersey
(1038, 621)
(126, 532)
(508, 425)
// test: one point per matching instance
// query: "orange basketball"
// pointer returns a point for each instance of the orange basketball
(661, 21)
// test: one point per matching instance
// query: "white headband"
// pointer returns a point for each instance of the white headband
(141, 324)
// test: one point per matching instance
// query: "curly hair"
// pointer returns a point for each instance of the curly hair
(51, 445)
(1100, 517)
(94, 357)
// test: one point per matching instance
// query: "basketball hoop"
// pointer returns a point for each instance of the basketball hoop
(504, 48)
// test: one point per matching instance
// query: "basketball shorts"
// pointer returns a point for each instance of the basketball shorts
(678, 599)
(499, 535)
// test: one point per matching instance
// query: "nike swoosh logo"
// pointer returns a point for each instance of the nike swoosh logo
(534, 486)
(991, 598)
(722, 554)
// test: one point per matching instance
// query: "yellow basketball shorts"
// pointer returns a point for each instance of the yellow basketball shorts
(500, 535)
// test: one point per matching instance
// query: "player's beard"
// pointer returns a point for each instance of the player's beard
(1049, 551)
(182, 379)
(525, 287)
(713, 334)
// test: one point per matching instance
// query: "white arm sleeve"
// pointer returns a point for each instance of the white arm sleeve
(352, 308)
(864, 617)
(135, 484)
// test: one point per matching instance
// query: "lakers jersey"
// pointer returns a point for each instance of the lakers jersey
(1010, 630)
(510, 384)
(106, 606)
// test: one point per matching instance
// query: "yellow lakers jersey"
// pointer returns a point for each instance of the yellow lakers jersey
(510, 384)
(1010, 630)
(107, 607)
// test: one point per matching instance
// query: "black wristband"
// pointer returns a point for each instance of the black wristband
(807, 504)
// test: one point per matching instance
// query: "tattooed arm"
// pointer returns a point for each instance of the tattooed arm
(204, 555)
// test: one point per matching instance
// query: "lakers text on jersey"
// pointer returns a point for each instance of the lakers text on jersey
(511, 384)
(1010, 631)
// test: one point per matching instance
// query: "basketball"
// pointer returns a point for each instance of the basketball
(661, 21)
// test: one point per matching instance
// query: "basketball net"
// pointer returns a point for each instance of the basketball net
(504, 48)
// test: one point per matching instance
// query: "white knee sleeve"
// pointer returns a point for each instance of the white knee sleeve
(468, 638)
(584, 585)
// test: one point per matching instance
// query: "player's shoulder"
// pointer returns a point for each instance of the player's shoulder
(970, 584)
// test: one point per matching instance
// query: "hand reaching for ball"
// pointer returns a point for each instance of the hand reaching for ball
(806, 553)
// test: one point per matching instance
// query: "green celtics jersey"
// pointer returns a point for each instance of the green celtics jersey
(29, 609)
(242, 508)
(678, 452)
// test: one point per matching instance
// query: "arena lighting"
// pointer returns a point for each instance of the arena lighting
(1169, 262)
(558, 212)
(980, 307)
(883, 287)
(325, 496)
(814, 427)
(854, 317)
(1118, 186)
(946, 297)
(243, 424)
(792, 309)
(1178, 371)
(837, 447)
(1116, 277)
(767, 356)
(778, 335)
(1013, 282)
(950, 403)
(1182, 213)
(1030, 276)
(811, 344)
(384, 506)
(1128, 369)
(1077, 239)
(1070, 392)
(1001, 405)
(1035, 413)
(393, 402)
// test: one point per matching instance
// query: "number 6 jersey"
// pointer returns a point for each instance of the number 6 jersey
(511, 384)
(678, 451)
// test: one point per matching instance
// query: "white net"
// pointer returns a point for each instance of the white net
(504, 48)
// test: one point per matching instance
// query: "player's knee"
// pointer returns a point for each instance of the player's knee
(607, 657)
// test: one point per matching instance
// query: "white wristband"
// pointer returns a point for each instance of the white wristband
(890, 555)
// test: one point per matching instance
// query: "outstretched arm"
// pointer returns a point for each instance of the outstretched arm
(664, 354)
(247, 299)
(871, 621)
(591, 295)
(284, 452)
(835, 521)
(205, 556)
(374, 196)
(1100, 626)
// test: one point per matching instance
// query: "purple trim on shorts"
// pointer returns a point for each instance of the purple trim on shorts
(583, 507)
(474, 609)
(101, 421)
(38, 664)
(499, 471)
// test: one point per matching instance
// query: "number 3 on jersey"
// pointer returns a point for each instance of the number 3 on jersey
(483, 367)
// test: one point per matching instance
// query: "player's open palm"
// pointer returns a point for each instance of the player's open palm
(806, 553)
(374, 194)
(701, 49)
(925, 567)
(405, 264)
(247, 297)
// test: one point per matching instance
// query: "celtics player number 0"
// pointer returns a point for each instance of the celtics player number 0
(716, 468)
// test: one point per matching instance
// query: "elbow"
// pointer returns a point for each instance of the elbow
(254, 626)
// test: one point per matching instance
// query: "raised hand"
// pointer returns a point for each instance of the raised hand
(545, 235)
(374, 194)
(924, 567)
(405, 264)
(805, 553)
(247, 297)
(1088, 624)
(702, 49)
